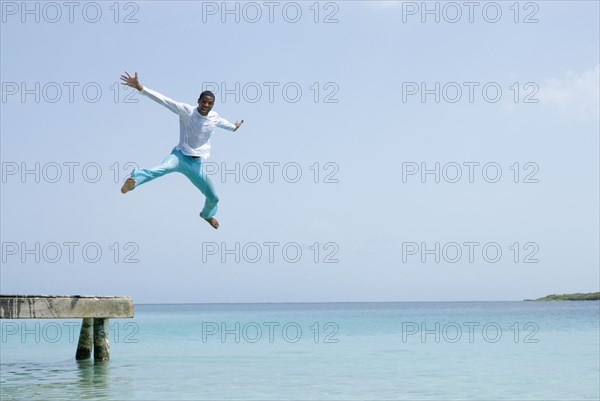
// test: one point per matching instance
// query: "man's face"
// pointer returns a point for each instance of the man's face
(205, 104)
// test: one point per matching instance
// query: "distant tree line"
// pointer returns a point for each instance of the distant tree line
(579, 296)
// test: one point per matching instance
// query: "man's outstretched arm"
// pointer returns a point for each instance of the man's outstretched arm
(223, 123)
(169, 103)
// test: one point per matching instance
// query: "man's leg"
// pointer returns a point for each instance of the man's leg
(194, 172)
(138, 177)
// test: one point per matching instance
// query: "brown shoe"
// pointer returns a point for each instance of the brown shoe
(212, 221)
(128, 185)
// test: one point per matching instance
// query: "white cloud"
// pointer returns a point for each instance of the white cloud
(574, 94)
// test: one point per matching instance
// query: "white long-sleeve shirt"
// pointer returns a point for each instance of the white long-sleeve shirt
(195, 129)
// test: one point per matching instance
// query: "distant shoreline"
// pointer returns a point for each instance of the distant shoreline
(578, 296)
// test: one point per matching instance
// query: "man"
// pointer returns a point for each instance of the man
(196, 125)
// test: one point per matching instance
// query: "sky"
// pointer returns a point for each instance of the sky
(391, 151)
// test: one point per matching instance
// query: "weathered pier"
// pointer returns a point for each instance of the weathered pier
(95, 312)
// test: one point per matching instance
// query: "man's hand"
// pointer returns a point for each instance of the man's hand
(132, 81)
(238, 124)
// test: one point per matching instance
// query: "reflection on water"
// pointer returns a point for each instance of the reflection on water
(93, 379)
(83, 380)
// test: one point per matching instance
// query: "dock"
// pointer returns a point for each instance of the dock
(94, 310)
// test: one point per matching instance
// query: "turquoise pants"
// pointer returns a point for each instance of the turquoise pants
(192, 169)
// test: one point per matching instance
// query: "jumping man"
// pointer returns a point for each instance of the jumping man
(196, 125)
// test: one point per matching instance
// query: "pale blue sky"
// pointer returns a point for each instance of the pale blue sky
(366, 61)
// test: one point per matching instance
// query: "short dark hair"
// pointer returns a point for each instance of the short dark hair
(206, 93)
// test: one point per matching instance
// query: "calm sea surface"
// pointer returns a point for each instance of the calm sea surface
(311, 351)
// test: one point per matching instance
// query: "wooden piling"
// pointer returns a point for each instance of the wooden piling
(101, 343)
(86, 340)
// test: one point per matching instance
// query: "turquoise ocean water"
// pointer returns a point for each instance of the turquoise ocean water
(316, 351)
